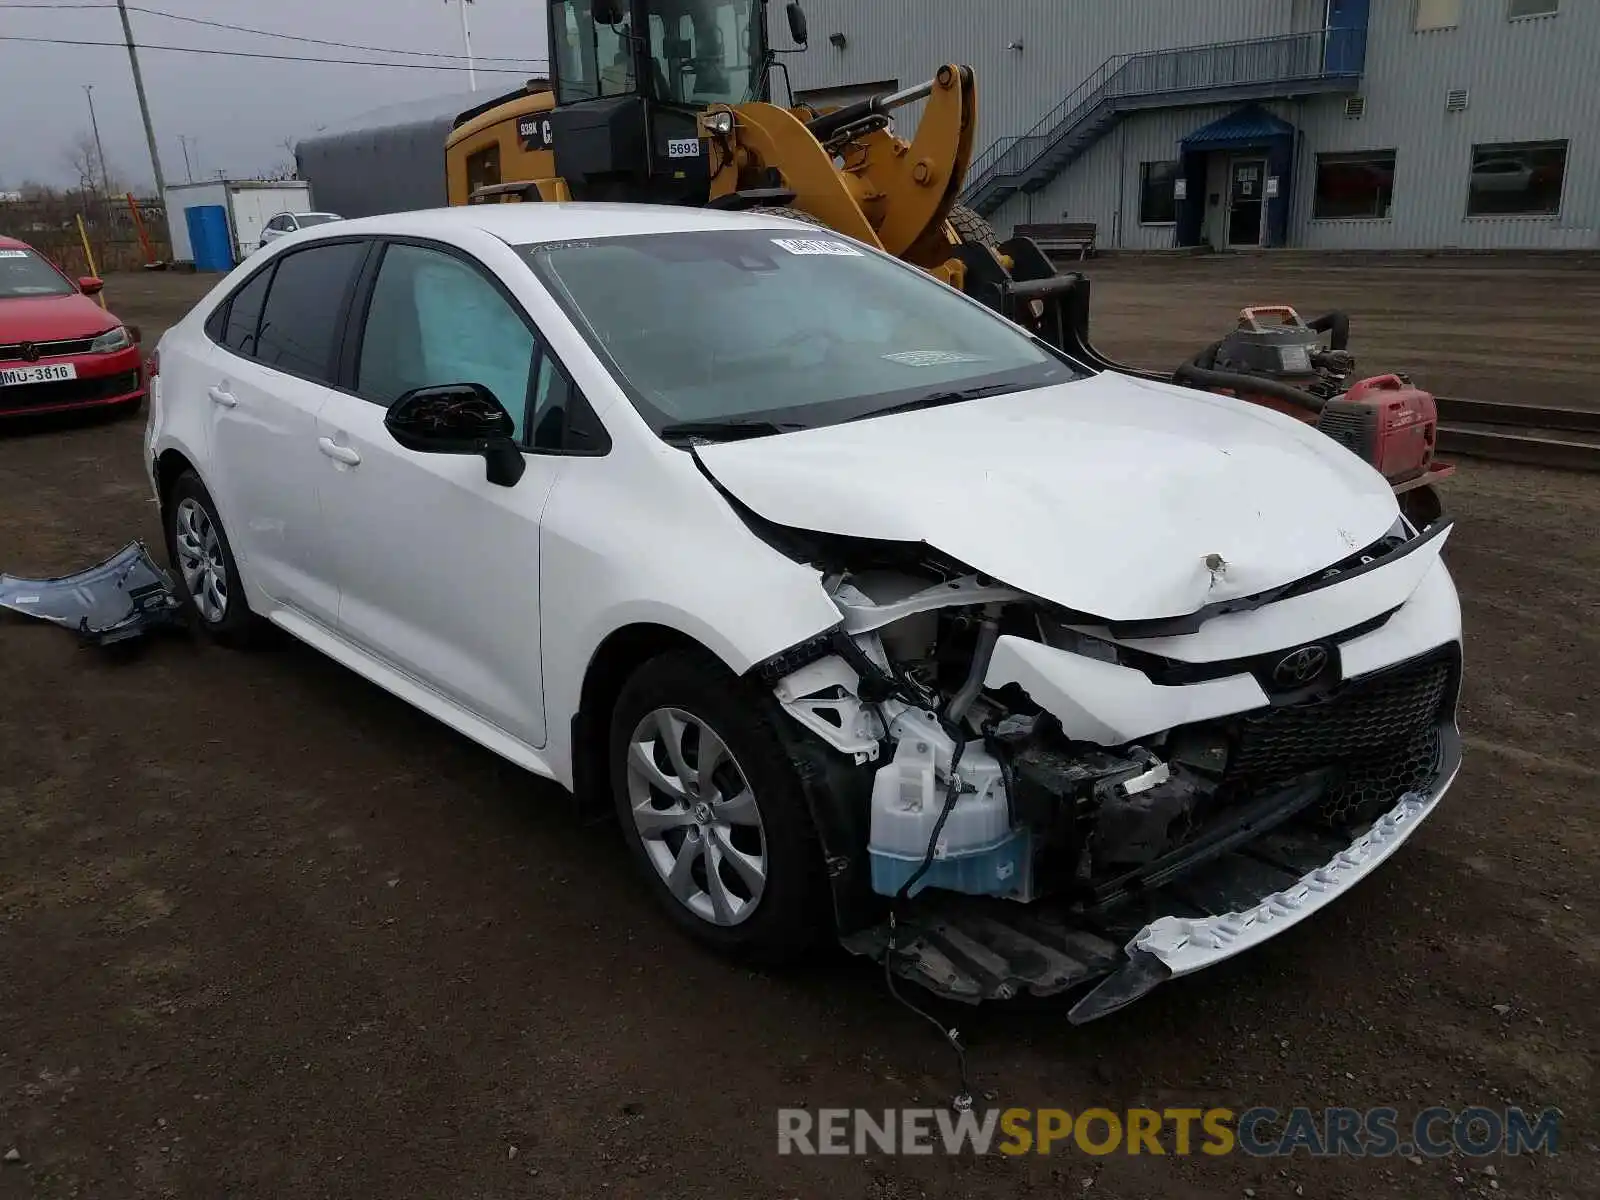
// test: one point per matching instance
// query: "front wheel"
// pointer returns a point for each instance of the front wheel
(713, 811)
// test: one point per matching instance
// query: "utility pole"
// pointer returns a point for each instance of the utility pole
(99, 152)
(188, 171)
(144, 105)
(466, 40)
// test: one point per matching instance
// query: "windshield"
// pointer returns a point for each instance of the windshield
(793, 327)
(699, 51)
(308, 219)
(24, 273)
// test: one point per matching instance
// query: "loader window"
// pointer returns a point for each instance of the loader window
(802, 328)
(483, 168)
(590, 59)
(705, 51)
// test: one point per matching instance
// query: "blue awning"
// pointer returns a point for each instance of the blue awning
(1249, 126)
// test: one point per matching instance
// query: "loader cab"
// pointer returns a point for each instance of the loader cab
(631, 77)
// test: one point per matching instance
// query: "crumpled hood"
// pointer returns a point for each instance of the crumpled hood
(1108, 495)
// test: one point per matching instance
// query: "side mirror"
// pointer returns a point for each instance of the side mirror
(797, 23)
(607, 12)
(459, 418)
(89, 285)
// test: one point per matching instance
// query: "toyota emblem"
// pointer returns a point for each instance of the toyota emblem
(1299, 667)
(30, 352)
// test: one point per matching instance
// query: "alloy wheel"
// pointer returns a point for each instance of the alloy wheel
(696, 816)
(199, 552)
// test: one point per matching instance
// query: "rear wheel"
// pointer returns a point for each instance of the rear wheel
(713, 811)
(208, 577)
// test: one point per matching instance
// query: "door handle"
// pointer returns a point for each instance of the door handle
(338, 453)
(223, 397)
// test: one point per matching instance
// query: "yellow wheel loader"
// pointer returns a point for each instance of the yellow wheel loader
(669, 102)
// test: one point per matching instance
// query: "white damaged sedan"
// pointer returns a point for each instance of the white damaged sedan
(854, 597)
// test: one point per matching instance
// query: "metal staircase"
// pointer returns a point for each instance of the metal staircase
(1299, 64)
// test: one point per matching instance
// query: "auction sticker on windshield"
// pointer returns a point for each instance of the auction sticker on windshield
(816, 246)
(13, 254)
(45, 374)
(932, 358)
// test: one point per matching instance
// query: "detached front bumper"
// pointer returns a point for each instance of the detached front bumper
(1286, 854)
(1175, 945)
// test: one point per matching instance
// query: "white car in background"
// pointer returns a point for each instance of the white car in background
(286, 223)
(854, 597)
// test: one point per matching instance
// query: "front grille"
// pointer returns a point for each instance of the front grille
(1369, 786)
(1360, 720)
(13, 351)
(22, 397)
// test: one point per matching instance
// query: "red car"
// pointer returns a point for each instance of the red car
(58, 348)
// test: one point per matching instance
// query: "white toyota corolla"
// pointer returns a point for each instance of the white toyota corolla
(876, 617)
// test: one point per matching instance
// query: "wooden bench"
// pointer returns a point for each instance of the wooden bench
(1062, 237)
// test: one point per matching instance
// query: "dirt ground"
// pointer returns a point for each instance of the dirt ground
(266, 931)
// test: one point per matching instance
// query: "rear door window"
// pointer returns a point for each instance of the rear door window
(244, 315)
(301, 325)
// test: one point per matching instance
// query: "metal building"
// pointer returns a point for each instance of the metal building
(389, 160)
(1333, 124)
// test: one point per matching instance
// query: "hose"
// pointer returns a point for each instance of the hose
(1337, 325)
(988, 635)
(1193, 373)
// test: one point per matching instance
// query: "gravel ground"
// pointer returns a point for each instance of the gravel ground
(265, 931)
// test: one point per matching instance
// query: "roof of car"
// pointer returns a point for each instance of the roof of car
(522, 223)
(11, 243)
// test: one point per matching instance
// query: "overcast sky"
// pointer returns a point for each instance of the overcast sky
(236, 112)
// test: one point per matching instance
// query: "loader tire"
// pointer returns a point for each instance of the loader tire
(794, 214)
(971, 228)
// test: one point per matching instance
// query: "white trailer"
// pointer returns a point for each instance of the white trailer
(248, 203)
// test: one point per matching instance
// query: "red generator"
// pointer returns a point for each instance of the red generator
(1283, 365)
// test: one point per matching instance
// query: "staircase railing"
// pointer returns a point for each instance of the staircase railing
(1323, 53)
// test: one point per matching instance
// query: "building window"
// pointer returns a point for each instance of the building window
(1354, 186)
(1517, 179)
(1158, 203)
(1437, 14)
(1532, 8)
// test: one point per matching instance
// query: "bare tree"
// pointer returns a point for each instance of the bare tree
(279, 171)
(83, 158)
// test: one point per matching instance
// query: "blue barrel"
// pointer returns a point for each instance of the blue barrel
(209, 237)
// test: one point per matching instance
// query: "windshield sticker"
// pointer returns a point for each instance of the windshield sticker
(932, 358)
(13, 254)
(816, 246)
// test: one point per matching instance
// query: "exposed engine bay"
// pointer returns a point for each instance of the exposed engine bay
(978, 787)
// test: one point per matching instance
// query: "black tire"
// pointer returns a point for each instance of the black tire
(792, 911)
(971, 228)
(793, 214)
(237, 626)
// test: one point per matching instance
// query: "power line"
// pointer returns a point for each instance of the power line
(294, 37)
(288, 37)
(349, 62)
